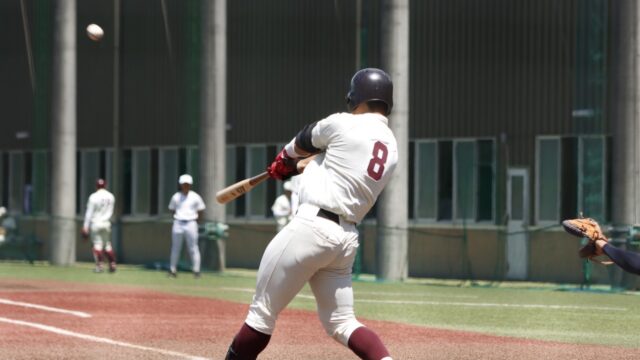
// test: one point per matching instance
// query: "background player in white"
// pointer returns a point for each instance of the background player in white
(357, 152)
(97, 225)
(281, 208)
(187, 207)
(295, 193)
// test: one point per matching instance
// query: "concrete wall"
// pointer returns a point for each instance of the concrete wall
(445, 252)
(434, 251)
(247, 243)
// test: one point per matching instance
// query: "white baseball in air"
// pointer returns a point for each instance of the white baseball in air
(95, 32)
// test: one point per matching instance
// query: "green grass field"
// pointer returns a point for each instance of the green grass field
(528, 310)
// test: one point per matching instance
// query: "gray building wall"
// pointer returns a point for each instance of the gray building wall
(498, 69)
(289, 64)
(478, 68)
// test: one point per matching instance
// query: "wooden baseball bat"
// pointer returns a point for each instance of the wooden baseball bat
(238, 189)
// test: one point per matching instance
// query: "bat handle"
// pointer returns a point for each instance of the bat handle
(259, 178)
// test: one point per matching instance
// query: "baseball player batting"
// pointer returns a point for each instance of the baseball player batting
(97, 225)
(357, 153)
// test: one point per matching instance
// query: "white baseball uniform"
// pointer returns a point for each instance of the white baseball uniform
(185, 227)
(295, 196)
(97, 218)
(281, 209)
(360, 154)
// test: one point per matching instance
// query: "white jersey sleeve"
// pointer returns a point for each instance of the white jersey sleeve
(173, 203)
(199, 202)
(88, 214)
(360, 154)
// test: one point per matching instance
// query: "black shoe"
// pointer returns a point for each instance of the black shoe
(196, 275)
(172, 274)
(112, 268)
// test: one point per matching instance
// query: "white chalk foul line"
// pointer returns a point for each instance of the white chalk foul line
(471, 304)
(45, 308)
(381, 293)
(408, 294)
(98, 339)
(467, 304)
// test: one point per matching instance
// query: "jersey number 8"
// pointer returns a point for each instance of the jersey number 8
(378, 159)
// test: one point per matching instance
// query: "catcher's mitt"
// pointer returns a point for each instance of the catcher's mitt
(590, 229)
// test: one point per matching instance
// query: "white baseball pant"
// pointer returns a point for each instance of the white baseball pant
(100, 235)
(313, 249)
(185, 230)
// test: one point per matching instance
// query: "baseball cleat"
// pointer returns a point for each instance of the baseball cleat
(172, 274)
(196, 275)
(98, 269)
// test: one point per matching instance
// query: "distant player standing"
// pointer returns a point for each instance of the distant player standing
(295, 193)
(97, 225)
(187, 207)
(357, 152)
(281, 208)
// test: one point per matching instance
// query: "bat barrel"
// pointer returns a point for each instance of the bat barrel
(240, 188)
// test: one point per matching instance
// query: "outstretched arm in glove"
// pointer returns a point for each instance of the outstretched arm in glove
(590, 229)
(627, 260)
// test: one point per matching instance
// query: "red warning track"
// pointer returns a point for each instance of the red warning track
(129, 323)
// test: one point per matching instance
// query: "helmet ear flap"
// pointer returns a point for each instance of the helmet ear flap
(349, 100)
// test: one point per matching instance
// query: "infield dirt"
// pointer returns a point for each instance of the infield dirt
(170, 326)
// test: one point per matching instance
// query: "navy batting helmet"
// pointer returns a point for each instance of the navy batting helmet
(370, 84)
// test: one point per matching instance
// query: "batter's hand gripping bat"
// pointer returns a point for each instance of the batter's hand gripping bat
(238, 189)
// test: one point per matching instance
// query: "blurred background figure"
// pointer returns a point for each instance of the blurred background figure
(281, 208)
(7, 225)
(97, 225)
(295, 191)
(187, 207)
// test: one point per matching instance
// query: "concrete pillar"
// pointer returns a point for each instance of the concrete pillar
(624, 117)
(117, 177)
(214, 113)
(392, 242)
(63, 135)
(624, 63)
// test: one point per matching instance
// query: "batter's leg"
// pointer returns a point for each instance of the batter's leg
(334, 296)
(289, 260)
(333, 291)
(177, 234)
(249, 343)
(365, 343)
(191, 234)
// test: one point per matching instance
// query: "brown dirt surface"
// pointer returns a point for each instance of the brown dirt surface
(201, 327)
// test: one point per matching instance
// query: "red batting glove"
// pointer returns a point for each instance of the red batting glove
(282, 167)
